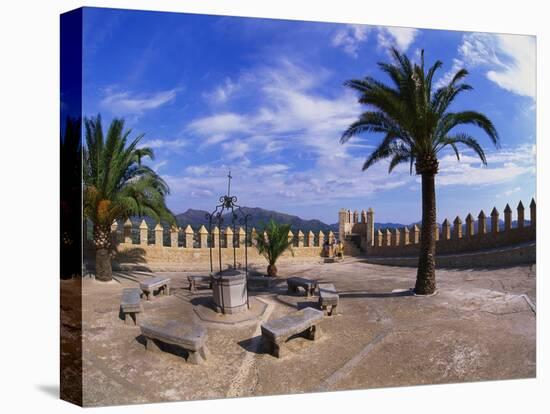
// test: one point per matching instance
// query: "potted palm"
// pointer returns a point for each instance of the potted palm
(272, 243)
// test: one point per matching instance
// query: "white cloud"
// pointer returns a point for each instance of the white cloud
(223, 92)
(290, 112)
(199, 170)
(350, 37)
(124, 103)
(508, 193)
(518, 76)
(235, 149)
(448, 76)
(479, 48)
(509, 60)
(219, 124)
(201, 193)
(503, 166)
(273, 168)
(165, 143)
(215, 139)
(400, 37)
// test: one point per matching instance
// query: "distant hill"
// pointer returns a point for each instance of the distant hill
(381, 226)
(192, 217)
(258, 217)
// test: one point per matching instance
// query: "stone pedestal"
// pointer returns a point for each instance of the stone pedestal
(229, 291)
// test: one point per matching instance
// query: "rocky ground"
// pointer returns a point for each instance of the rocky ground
(479, 326)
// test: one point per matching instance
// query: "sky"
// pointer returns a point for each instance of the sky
(265, 99)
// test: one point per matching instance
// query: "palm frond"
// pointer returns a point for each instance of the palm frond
(116, 184)
(415, 120)
(275, 242)
(466, 140)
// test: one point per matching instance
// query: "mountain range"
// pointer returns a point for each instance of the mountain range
(259, 216)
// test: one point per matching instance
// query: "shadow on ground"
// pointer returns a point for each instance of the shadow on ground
(165, 347)
(253, 344)
(380, 295)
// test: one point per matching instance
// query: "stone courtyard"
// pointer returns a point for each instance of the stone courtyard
(479, 326)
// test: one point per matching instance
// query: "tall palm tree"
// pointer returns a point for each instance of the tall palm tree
(117, 185)
(273, 244)
(417, 124)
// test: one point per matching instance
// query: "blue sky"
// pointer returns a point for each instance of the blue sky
(266, 98)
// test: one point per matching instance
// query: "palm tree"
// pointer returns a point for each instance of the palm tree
(117, 185)
(273, 244)
(417, 124)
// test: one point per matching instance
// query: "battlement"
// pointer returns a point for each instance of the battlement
(178, 248)
(456, 237)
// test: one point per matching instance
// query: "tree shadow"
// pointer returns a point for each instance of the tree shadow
(132, 275)
(380, 295)
(133, 258)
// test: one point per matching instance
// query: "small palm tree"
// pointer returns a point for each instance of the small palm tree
(417, 125)
(117, 185)
(273, 244)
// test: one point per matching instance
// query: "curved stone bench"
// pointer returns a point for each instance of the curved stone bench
(148, 286)
(189, 336)
(276, 332)
(328, 298)
(294, 282)
(130, 304)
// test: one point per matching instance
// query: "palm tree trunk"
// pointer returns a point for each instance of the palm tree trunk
(425, 277)
(272, 270)
(102, 241)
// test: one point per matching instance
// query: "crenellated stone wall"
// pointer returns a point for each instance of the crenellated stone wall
(159, 248)
(457, 237)
(175, 248)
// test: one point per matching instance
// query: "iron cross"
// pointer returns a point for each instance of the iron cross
(229, 183)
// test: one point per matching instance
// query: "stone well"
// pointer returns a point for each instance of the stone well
(229, 291)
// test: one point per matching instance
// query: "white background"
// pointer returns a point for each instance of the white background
(29, 190)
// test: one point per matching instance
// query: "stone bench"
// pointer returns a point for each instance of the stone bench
(295, 282)
(130, 304)
(328, 298)
(189, 336)
(148, 286)
(194, 280)
(276, 332)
